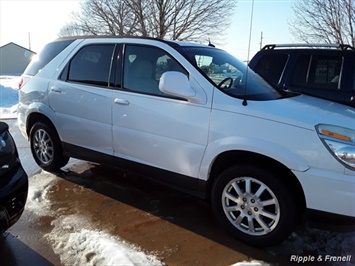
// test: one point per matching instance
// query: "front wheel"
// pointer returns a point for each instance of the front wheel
(46, 147)
(253, 205)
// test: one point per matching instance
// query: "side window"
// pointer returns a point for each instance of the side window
(325, 71)
(91, 65)
(300, 73)
(143, 67)
(318, 72)
(50, 51)
(270, 67)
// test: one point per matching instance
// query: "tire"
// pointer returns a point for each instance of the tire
(46, 147)
(254, 206)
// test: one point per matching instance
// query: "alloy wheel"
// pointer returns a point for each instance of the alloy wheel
(250, 206)
(43, 146)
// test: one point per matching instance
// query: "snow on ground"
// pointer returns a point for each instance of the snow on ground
(8, 96)
(252, 263)
(77, 242)
(73, 237)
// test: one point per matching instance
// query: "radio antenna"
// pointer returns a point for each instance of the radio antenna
(245, 102)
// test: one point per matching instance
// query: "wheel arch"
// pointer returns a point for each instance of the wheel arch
(38, 117)
(232, 158)
(49, 159)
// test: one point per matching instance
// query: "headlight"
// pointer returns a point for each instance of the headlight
(340, 142)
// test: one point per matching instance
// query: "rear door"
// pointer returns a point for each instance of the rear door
(82, 99)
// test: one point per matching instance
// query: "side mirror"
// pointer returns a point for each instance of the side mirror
(176, 84)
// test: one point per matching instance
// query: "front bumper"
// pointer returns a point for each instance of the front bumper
(13, 196)
(329, 192)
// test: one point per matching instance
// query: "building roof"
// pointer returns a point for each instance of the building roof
(12, 43)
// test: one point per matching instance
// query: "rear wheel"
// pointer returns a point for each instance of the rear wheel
(46, 147)
(254, 205)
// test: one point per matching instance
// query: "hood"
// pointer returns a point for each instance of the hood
(305, 111)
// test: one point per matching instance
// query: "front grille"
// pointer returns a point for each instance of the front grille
(15, 205)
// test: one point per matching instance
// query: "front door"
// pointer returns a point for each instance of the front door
(150, 127)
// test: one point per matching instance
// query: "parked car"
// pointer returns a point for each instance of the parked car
(193, 117)
(13, 181)
(326, 71)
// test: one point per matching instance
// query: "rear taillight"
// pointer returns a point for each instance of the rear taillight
(23, 81)
(20, 84)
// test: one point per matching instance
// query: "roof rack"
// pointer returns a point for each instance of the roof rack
(308, 45)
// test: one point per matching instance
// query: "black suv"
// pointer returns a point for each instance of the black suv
(325, 71)
(13, 181)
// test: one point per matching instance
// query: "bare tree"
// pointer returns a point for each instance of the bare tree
(329, 21)
(171, 19)
(101, 17)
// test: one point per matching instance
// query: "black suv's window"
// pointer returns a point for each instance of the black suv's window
(91, 65)
(143, 67)
(318, 71)
(48, 52)
(270, 67)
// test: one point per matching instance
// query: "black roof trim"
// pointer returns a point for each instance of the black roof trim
(309, 45)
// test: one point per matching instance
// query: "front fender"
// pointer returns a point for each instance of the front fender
(260, 146)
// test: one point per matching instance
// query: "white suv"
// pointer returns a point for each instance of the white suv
(193, 117)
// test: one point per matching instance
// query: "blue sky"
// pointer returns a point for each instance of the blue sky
(269, 16)
(43, 19)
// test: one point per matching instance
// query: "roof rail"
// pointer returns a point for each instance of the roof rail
(308, 45)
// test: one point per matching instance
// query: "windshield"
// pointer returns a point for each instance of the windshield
(229, 74)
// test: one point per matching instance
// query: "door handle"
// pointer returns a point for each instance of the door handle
(121, 101)
(56, 89)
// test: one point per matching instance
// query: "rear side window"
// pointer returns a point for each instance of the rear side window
(318, 72)
(270, 67)
(48, 52)
(91, 65)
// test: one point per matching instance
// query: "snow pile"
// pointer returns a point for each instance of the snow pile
(8, 96)
(77, 245)
(73, 237)
(252, 263)
(312, 241)
(37, 191)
